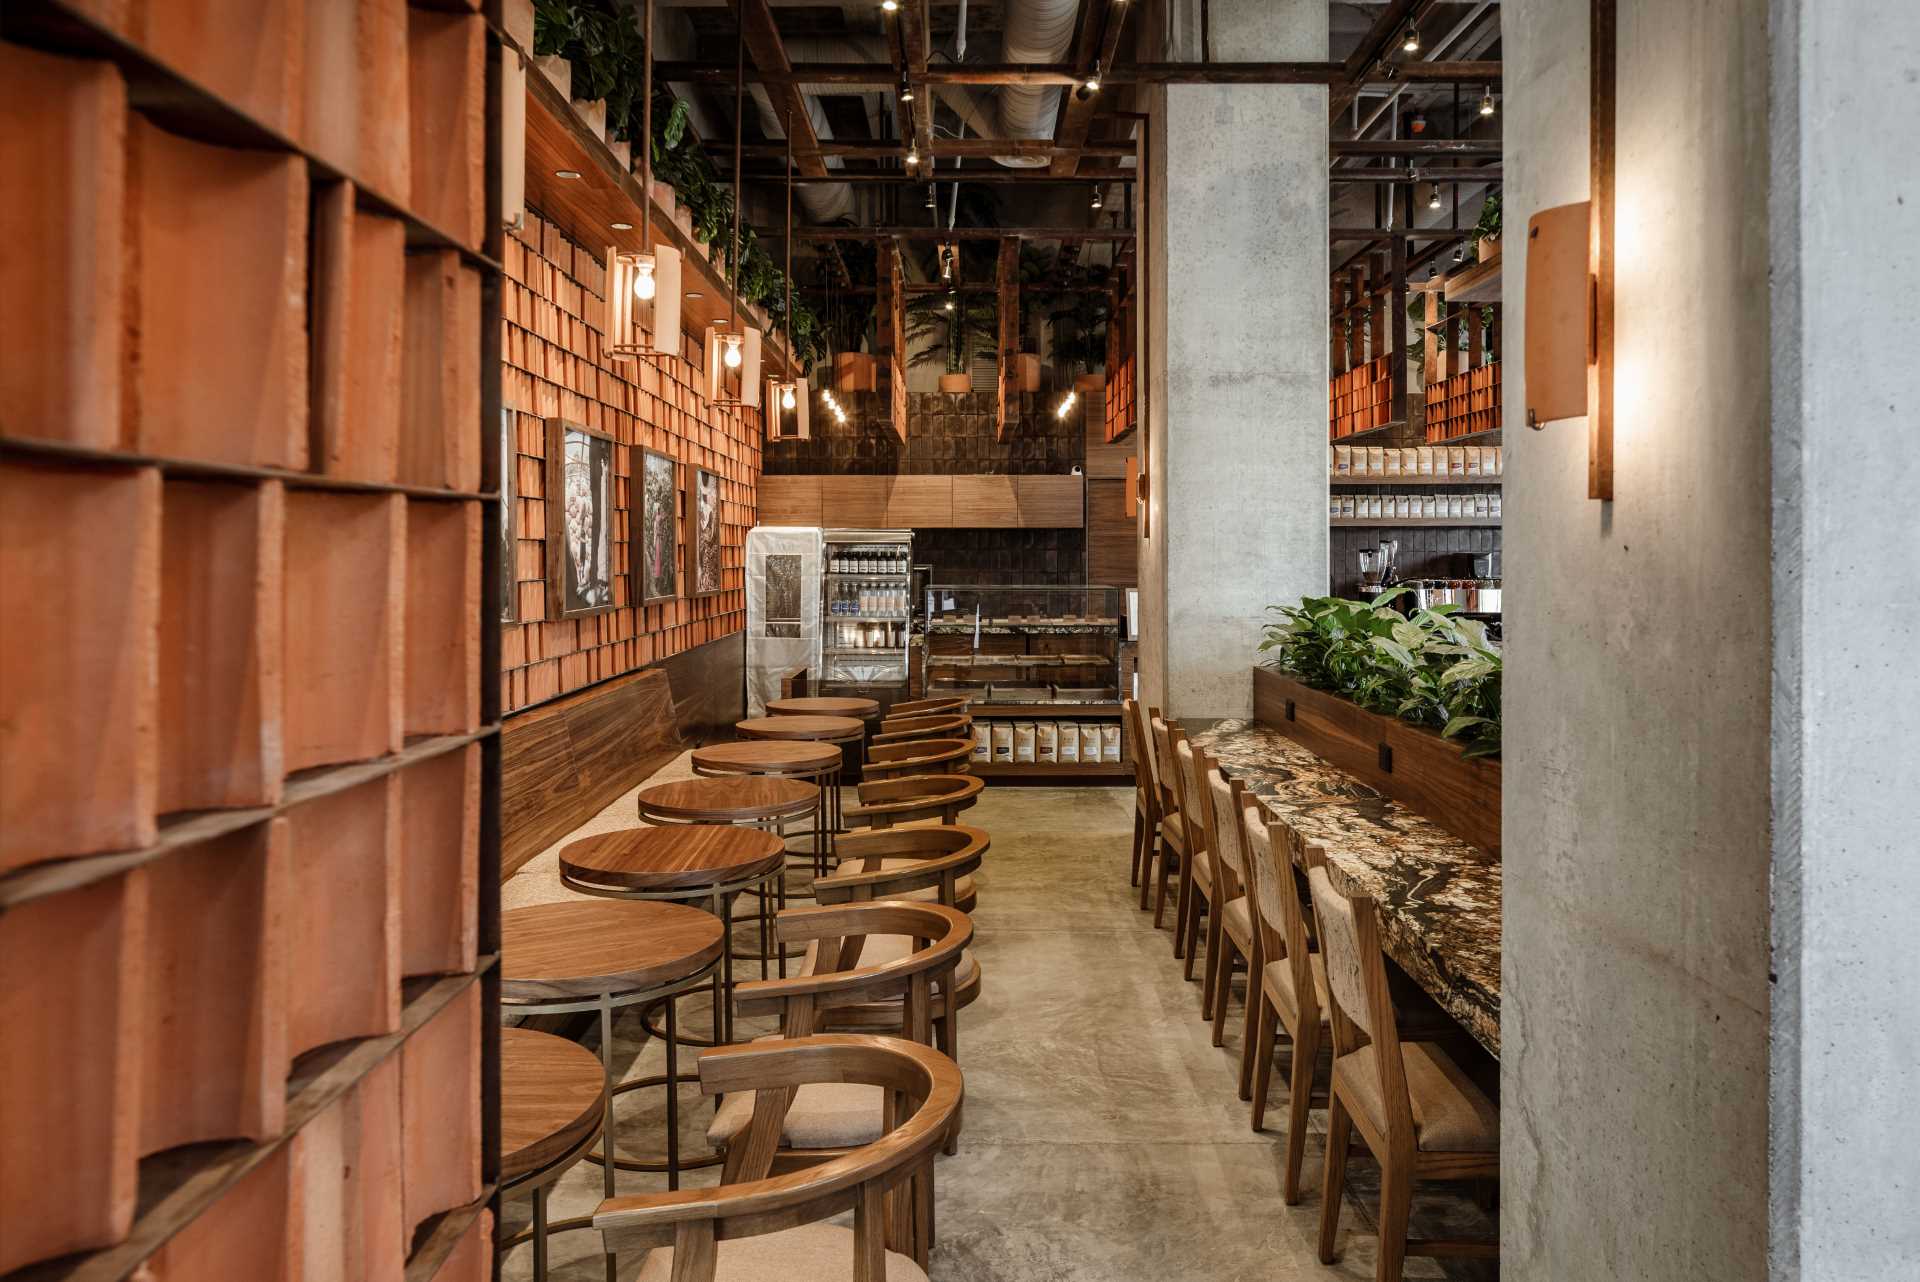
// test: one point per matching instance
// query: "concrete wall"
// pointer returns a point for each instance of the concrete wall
(1634, 1014)
(1846, 468)
(1238, 495)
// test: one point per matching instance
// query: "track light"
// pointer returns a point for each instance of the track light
(913, 155)
(1410, 42)
(1092, 84)
(933, 201)
(1486, 103)
(1433, 201)
(1459, 254)
(1096, 198)
(889, 6)
(906, 90)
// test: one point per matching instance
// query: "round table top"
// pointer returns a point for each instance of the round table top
(801, 727)
(551, 1098)
(824, 706)
(673, 857)
(768, 756)
(584, 948)
(728, 798)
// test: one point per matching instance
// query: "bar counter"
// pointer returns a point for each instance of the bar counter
(1439, 896)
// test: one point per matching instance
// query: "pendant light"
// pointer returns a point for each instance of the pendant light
(786, 404)
(1486, 102)
(733, 349)
(641, 312)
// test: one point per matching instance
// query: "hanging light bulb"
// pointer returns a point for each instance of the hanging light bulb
(787, 398)
(1096, 198)
(1093, 81)
(1486, 103)
(906, 90)
(913, 155)
(1433, 201)
(732, 353)
(932, 202)
(644, 286)
(1410, 42)
(890, 6)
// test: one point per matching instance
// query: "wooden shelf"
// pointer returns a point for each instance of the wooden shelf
(1479, 283)
(1005, 710)
(1369, 433)
(1416, 522)
(1434, 482)
(1489, 437)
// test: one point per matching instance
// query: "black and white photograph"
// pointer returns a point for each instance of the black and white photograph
(656, 562)
(580, 468)
(705, 545)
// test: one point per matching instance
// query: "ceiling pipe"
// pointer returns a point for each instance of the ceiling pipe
(1033, 31)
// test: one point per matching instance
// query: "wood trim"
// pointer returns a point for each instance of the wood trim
(1426, 773)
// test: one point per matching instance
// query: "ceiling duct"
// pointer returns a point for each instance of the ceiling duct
(1033, 31)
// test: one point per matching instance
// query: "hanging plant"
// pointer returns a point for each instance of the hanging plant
(970, 328)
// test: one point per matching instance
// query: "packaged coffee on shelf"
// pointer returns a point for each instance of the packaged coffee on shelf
(1343, 460)
(1376, 460)
(1023, 737)
(1110, 743)
(982, 741)
(1090, 742)
(1393, 463)
(1003, 741)
(1425, 456)
(1046, 741)
(1069, 743)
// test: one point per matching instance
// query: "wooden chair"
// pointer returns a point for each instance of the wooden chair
(918, 757)
(919, 863)
(940, 725)
(887, 955)
(1292, 983)
(1173, 833)
(1146, 803)
(755, 1226)
(1418, 1113)
(1196, 876)
(950, 703)
(1231, 940)
(889, 803)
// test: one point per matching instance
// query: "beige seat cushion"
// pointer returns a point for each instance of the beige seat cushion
(1279, 982)
(1174, 833)
(1450, 1114)
(810, 1253)
(1237, 920)
(822, 1115)
(1203, 872)
(962, 888)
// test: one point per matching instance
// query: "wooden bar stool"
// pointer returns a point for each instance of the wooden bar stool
(815, 763)
(1231, 939)
(938, 725)
(889, 803)
(1173, 834)
(1196, 870)
(1419, 1114)
(687, 862)
(751, 1229)
(1146, 803)
(841, 732)
(918, 757)
(586, 955)
(553, 1106)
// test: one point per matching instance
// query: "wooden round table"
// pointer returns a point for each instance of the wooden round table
(553, 1106)
(685, 862)
(817, 763)
(732, 799)
(812, 728)
(824, 706)
(588, 955)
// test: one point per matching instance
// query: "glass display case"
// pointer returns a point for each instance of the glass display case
(866, 607)
(1042, 666)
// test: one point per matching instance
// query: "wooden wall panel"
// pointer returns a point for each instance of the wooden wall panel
(920, 502)
(556, 367)
(790, 500)
(985, 502)
(1051, 502)
(1113, 545)
(854, 501)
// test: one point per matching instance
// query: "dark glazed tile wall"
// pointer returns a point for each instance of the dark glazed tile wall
(1426, 552)
(950, 435)
(981, 557)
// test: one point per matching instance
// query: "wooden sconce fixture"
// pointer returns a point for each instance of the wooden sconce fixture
(1570, 278)
(1136, 488)
(642, 316)
(733, 349)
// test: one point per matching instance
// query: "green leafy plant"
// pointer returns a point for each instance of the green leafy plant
(1431, 669)
(972, 326)
(603, 45)
(1488, 228)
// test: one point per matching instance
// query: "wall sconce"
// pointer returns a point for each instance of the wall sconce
(641, 315)
(733, 365)
(787, 401)
(1570, 280)
(513, 139)
(1136, 487)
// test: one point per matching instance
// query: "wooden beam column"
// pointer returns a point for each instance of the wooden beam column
(769, 54)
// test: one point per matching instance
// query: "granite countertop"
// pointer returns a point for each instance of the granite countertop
(1439, 896)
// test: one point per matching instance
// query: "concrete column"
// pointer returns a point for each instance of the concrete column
(1237, 438)
(1845, 1133)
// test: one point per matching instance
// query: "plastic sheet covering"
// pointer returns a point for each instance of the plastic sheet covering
(784, 565)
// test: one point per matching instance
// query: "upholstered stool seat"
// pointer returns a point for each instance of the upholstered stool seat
(1450, 1113)
(809, 1253)
(1237, 920)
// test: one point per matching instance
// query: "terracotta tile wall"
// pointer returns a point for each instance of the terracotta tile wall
(555, 367)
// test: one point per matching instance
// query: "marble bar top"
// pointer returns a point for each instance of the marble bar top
(1439, 897)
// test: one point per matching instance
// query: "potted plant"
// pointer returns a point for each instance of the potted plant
(1487, 230)
(961, 325)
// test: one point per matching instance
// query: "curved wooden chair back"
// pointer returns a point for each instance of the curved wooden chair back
(886, 1184)
(836, 933)
(1219, 804)
(1359, 1002)
(951, 703)
(1146, 791)
(938, 726)
(1282, 925)
(1186, 792)
(934, 857)
(1166, 773)
(918, 757)
(889, 802)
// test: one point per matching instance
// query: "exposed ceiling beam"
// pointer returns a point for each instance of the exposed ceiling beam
(1404, 233)
(1067, 234)
(1387, 25)
(1462, 175)
(945, 148)
(884, 177)
(769, 54)
(857, 75)
(1408, 147)
(1076, 113)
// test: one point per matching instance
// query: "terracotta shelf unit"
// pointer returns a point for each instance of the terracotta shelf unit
(1361, 399)
(249, 519)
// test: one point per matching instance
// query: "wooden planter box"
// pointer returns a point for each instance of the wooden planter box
(1412, 765)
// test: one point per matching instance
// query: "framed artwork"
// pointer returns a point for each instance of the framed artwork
(580, 467)
(781, 617)
(509, 540)
(703, 561)
(656, 551)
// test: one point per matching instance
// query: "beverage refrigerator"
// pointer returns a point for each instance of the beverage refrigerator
(866, 608)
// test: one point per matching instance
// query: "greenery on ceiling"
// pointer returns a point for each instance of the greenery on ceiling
(608, 56)
(966, 324)
(1431, 669)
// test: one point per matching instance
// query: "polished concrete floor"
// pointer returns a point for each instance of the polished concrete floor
(1104, 1141)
